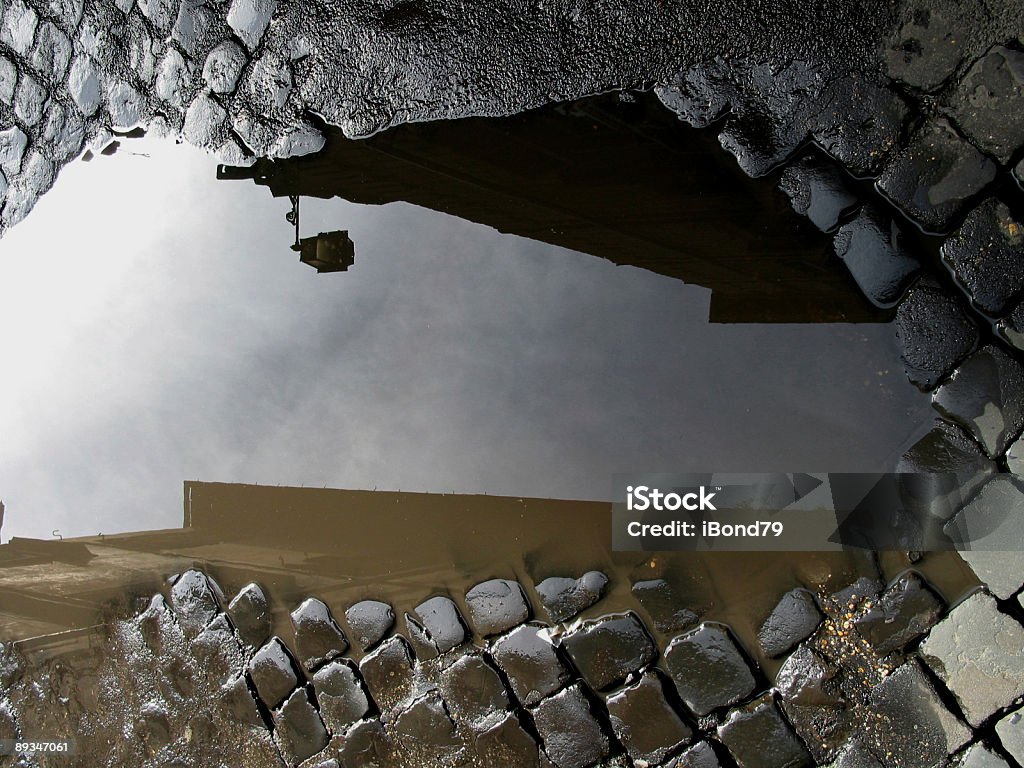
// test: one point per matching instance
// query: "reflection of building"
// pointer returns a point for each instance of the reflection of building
(622, 180)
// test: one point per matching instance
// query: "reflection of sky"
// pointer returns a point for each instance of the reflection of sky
(157, 329)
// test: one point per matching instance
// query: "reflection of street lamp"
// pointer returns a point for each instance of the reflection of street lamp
(328, 251)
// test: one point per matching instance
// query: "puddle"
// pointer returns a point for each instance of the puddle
(167, 332)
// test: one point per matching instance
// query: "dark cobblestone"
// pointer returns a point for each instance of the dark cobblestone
(273, 672)
(985, 396)
(1010, 730)
(903, 613)
(435, 627)
(388, 673)
(794, 619)
(757, 736)
(608, 649)
(667, 610)
(369, 621)
(340, 695)
(318, 638)
(934, 333)
(986, 255)
(816, 189)
(195, 601)
(935, 177)
(496, 606)
(250, 613)
(531, 663)
(298, 729)
(563, 598)
(988, 100)
(473, 690)
(644, 721)
(708, 669)
(571, 734)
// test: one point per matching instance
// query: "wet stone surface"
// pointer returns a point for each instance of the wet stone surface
(912, 727)
(903, 613)
(318, 638)
(608, 649)
(933, 179)
(424, 726)
(934, 332)
(818, 191)
(1010, 730)
(340, 695)
(757, 736)
(993, 523)
(661, 601)
(946, 449)
(435, 627)
(792, 620)
(985, 396)
(272, 671)
(366, 744)
(388, 673)
(531, 663)
(369, 621)
(507, 743)
(250, 613)
(194, 599)
(1011, 327)
(979, 756)
(563, 597)
(495, 606)
(986, 255)
(708, 669)
(298, 729)
(644, 722)
(814, 701)
(978, 654)
(700, 755)
(240, 703)
(473, 690)
(988, 100)
(872, 247)
(572, 736)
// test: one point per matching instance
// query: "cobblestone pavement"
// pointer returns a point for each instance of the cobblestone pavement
(506, 675)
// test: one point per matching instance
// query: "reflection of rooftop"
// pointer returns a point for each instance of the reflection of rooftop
(624, 181)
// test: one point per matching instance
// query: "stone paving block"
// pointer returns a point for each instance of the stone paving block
(934, 332)
(8, 80)
(817, 190)
(224, 66)
(195, 600)
(563, 598)
(159, 12)
(192, 26)
(205, 121)
(986, 255)
(298, 729)
(52, 53)
(708, 669)
(250, 18)
(85, 85)
(993, 523)
(978, 756)
(272, 671)
(912, 727)
(985, 396)
(608, 649)
(507, 743)
(318, 638)
(927, 48)
(855, 755)
(388, 673)
(340, 694)
(63, 130)
(239, 702)
(935, 176)
(435, 627)
(903, 613)
(757, 736)
(859, 123)
(250, 613)
(572, 736)
(530, 662)
(873, 248)
(645, 722)
(473, 690)
(366, 745)
(369, 621)
(127, 107)
(1010, 730)
(29, 100)
(424, 726)
(701, 94)
(945, 449)
(978, 653)
(813, 699)
(495, 606)
(666, 607)
(794, 619)
(988, 101)
(18, 28)
(218, 651)
(700, 755)
(174, 83)
(1011, 327)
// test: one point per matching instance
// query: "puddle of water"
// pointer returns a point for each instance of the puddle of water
(159, 329)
